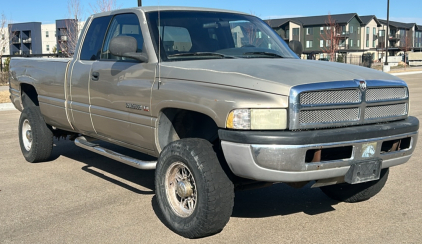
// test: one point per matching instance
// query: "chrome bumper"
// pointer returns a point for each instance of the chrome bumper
(286, 163)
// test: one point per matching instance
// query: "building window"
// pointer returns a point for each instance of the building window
(309, 44)
(375, 31)
(373, 43)
(309, 31)
(358, 30)
(47, 48)
(351, 43)
(295, 31)
(367, 42)
(367, 30)
(328, 43)
(382, 33)
(4, 49)
(351, 29)
(2, 36)
(46, 34)
(321, 43)
(358, 42)
(321, 30)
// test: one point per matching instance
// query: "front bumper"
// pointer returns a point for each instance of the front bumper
(282, 156)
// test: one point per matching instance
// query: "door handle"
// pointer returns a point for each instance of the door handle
(95, 76)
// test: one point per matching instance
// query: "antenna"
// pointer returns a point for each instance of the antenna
(159, 44)
(139, 3)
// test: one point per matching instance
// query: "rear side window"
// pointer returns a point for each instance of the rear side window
(94, 38)
(123, 25)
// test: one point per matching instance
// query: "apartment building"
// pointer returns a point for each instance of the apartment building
(370, 37)
(355, 35)
(49, 38)
(401, 37)
(310, 31)
(25, 38)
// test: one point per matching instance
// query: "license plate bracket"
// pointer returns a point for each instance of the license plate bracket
(364, 171)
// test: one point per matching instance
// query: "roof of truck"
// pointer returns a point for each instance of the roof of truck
(168, 8)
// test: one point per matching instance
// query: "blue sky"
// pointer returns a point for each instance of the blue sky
(47, 11)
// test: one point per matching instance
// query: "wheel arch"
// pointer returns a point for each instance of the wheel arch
(175, 123)
(31, 92)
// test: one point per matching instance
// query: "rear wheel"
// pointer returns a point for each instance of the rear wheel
(356, 193)
(35, 138)
(193, 192)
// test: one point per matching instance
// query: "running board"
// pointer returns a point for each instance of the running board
(84, 143)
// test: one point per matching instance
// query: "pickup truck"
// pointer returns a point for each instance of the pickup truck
(221, 103)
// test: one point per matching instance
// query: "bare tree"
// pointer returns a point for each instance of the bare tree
(104, 6)
(6, 36)
(68, 37)
(331, 37)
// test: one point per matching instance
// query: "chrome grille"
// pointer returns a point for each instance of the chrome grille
(347, 103)
(380, 94)
(386, 111)
(330, 97)
(328, 115)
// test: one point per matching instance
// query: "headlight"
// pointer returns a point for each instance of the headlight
(257, 119)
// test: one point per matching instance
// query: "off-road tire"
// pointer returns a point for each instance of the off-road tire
(358, 192)
(42, 136)
(215, 191)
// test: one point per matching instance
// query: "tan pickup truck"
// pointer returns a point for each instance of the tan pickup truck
(222, 103)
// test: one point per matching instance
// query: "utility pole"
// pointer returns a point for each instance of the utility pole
(139, 3)
(387, 38)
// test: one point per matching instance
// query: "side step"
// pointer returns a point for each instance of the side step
(84, 143)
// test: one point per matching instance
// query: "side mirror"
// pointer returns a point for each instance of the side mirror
(296, 47)
(126, 46)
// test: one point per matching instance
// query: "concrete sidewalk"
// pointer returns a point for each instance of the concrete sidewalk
(4, 88)
(406, 73)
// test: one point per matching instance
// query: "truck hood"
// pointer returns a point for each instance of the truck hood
(268, 75)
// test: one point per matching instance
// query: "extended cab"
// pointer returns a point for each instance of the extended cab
(222, 103)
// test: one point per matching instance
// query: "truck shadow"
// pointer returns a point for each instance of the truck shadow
(281, 199)
(108, 169)
(278, 199)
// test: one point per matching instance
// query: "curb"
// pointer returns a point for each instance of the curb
(7, 107)
(406, 73)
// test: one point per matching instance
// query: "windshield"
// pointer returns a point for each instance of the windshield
(192, 35)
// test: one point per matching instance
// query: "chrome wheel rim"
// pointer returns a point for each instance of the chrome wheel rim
(27, 134)
(181, 189)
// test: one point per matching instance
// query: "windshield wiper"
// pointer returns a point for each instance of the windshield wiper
(264, 53)
(201, 54)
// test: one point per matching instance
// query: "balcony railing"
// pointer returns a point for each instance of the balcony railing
(394, 37)
(26, 52)
(63, 38)
(343, 46)
(16, 40)
(27, 40)
(344, 34)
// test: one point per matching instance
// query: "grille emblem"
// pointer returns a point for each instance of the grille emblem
(362, 85)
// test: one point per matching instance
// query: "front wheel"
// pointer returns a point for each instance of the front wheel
(356, 193)
(194, 194)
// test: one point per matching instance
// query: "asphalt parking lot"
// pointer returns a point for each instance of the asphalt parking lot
(81, 197)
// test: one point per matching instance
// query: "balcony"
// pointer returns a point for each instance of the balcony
(16, 40)
(394, 37)
(27, 40)
(343, 46)
(343, 34)
(26, 53)
(63, 38)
